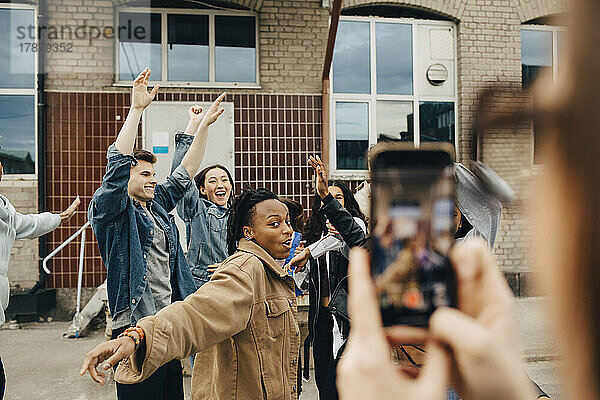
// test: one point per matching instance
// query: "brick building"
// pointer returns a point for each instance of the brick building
(402, 70)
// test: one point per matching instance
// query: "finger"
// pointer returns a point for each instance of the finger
(86, 363)
(154, 91)
(480, 283)
(435, 376)
(94, 374)
(320, 161)
(147, 77)
(114, 359)
(140, 76)
(220, 99)
(457, 330)
(405, 335)
(362, 301)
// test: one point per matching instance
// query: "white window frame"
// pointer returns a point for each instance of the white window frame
(555, 30)
(31, 91)
(163, 81)
(416, 98)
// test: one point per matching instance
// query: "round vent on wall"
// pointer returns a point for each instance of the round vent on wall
(437, 74)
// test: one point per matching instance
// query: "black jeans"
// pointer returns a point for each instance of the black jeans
(325, 363)
(164, 384)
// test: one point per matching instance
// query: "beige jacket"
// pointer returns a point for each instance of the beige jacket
(243, 324)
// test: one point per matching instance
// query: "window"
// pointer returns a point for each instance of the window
(541, 49)
(393, 79)
(188, 47)
(17, 90)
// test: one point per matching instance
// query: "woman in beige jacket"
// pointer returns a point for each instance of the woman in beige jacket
(243, 323)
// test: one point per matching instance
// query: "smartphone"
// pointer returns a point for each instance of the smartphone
(412, 228)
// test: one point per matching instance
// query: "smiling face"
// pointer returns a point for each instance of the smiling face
(270, 228)
(337, 194)
(217, 187)
(142, 181)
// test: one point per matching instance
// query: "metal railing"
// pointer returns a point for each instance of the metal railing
(81, 232)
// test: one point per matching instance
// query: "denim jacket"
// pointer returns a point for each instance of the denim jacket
(205, 222)
(124, 235)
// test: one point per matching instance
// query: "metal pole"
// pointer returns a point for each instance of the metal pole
(59, 248)
(79, 281)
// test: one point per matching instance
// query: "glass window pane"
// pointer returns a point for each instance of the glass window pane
(395, 121)
(436, 122)
(139, 45)
(187, 48)
(235, 49)
(352, 59)
(394, 58)
(561, 42)
(536, 55)
(17, 136)
(17, 64)
(352, 134)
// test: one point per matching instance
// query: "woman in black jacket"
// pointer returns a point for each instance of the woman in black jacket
(336, 225)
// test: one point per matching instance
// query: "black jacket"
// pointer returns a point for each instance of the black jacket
(353, 235)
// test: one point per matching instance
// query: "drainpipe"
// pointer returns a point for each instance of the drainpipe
(41, 138)
(335, 18)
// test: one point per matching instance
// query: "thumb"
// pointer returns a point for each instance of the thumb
(117, 356)
(154, 91)
(457, 330)
(435, 376)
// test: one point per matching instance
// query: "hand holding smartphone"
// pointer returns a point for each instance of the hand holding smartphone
(412, 214)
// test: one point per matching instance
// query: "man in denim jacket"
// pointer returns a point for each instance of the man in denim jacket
(137, 237)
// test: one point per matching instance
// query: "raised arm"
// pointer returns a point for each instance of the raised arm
(187, 206)
(178, 183)
(198, 126)
(110, 200)
(140, 99)
(352, 233)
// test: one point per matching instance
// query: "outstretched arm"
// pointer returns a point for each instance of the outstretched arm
(31, 226)
(208, 316)
(193, 158)
(140, 99)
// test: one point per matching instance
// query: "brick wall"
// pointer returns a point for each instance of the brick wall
(274, 134)
(23, 268)
(292, 42)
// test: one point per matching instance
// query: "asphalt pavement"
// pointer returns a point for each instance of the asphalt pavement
(41, 364)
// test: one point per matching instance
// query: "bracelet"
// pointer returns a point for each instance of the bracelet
(129, 333)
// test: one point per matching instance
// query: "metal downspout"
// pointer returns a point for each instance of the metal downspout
(41, 139)
(335, 17)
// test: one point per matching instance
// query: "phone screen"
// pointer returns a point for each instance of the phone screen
(412, 219)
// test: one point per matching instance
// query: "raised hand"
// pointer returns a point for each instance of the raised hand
(108, 353)
(70, 211)
(213, 112)
(193, 158)
(321, 173)
(195, 113)
(140, 97)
